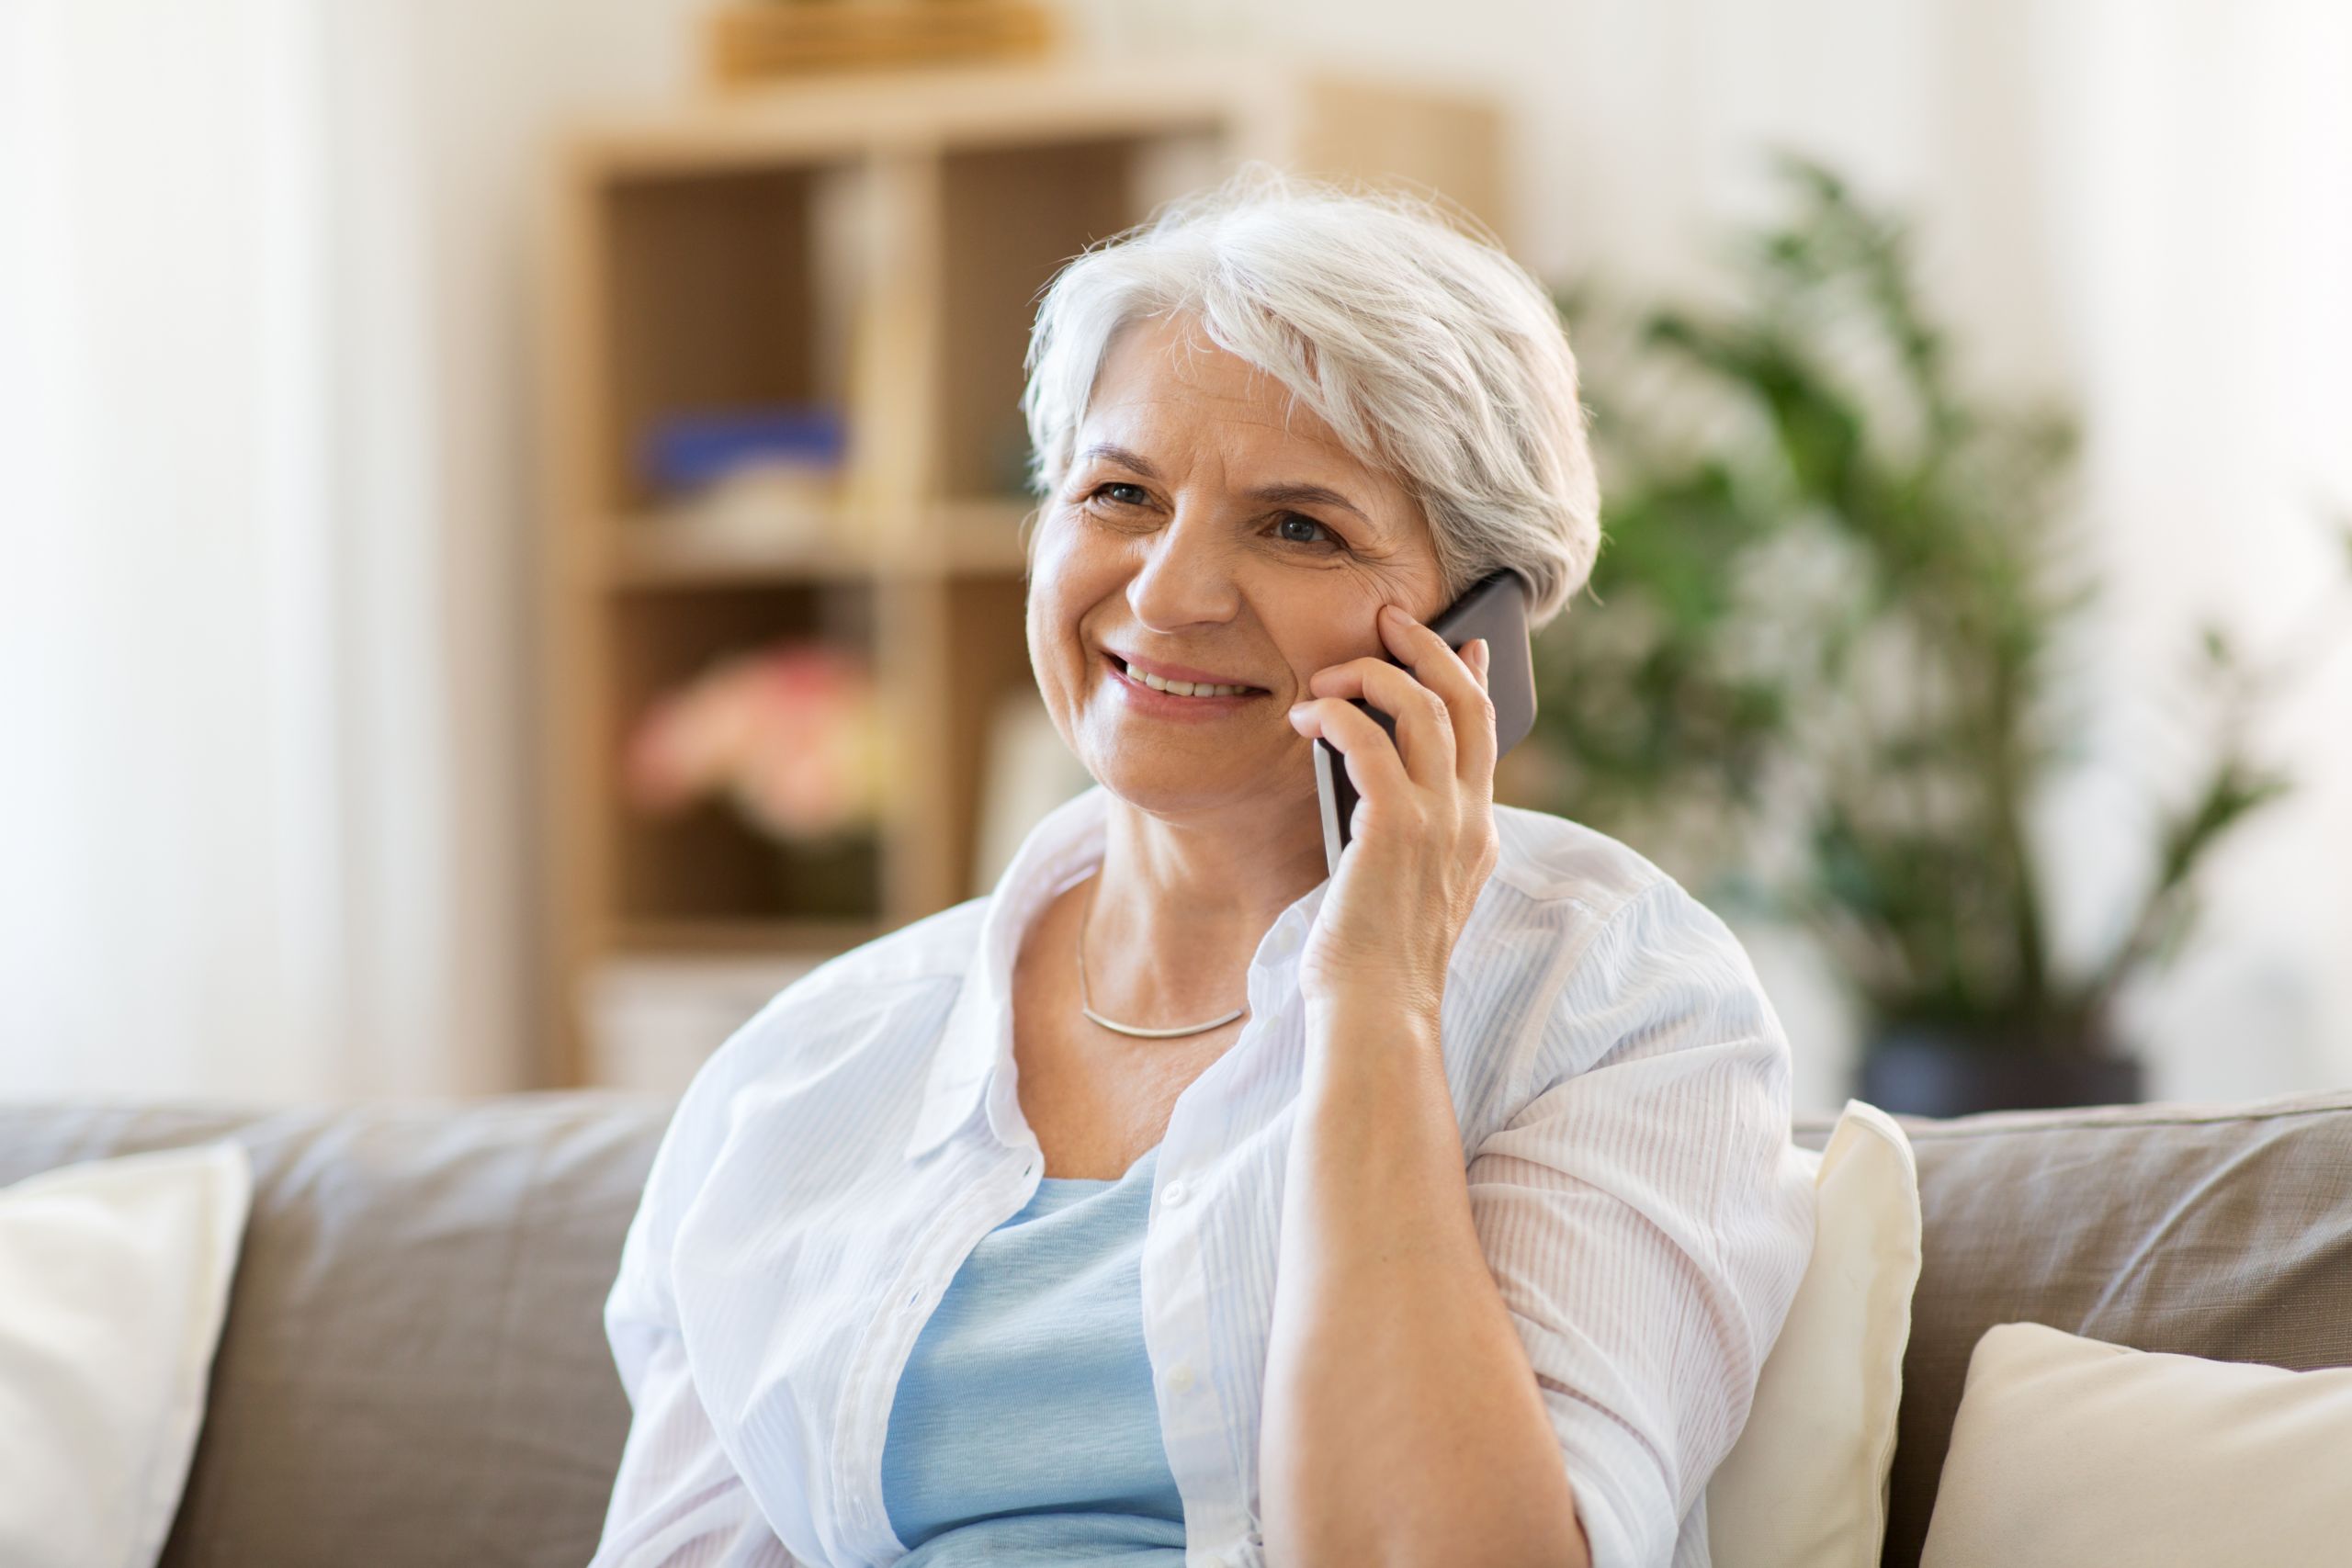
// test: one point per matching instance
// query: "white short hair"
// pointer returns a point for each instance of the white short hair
(1430, 352)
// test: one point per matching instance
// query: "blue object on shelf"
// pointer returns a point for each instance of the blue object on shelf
(683, 451)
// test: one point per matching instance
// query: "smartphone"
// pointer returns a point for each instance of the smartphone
(1494, 607)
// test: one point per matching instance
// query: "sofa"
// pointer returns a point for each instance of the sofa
(413, 1371)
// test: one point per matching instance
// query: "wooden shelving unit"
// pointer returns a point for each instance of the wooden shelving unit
(875, 243)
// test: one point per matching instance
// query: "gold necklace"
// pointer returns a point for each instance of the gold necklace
(1084, 1004)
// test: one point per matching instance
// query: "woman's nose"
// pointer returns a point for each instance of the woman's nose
(1185, 577)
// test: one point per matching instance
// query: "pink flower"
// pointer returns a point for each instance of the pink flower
(789, 734)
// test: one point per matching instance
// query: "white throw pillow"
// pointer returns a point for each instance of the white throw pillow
(114, 1278)
(1805, 1484)
(2070, 1452)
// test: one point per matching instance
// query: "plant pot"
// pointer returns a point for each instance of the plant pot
(1924, 1073)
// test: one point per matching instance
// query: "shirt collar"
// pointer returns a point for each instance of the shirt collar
(1064, 848)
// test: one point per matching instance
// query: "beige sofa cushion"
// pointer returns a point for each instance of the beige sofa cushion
(2070, 1452)
(114, 1278)
(1805, 1484)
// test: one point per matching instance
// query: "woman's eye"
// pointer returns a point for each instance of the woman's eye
(1106, 490)
(1294, 519)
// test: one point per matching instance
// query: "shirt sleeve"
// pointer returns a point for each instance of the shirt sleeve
(1646, 1213)
(677, 1501)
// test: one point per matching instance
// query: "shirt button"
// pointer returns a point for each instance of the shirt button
(1179, 1377)
(1174, 1193)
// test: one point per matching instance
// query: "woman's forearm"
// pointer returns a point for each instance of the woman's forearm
(1403, 1427)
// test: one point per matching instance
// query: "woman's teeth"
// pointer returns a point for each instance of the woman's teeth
(1185, 688)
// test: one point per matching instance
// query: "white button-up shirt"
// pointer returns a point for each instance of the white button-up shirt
(1622, 1086)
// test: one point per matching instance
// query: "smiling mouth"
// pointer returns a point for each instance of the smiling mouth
(1180, 688)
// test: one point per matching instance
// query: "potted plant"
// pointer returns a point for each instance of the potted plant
(1820, 663)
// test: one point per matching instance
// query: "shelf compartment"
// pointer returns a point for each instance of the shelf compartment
(705, 863)
(724, 291)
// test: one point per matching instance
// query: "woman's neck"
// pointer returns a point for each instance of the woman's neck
(1180, 907)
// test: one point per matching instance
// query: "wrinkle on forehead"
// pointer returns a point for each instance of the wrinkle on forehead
(1192, 345)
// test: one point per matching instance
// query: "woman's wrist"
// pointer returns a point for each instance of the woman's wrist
(1369, 1024)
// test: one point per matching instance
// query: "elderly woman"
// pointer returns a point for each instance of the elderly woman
(1178, 1202)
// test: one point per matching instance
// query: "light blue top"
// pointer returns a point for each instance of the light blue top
(1024, 1429)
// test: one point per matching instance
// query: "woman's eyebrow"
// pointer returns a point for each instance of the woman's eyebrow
(1290, 493)
(1294, 494)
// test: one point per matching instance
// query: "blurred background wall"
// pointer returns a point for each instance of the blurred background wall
(266, 278)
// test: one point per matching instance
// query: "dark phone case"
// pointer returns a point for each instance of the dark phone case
(1494, 608)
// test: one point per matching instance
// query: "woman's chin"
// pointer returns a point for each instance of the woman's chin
(1179, 782)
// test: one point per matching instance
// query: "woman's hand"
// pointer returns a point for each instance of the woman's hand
(1423, 838)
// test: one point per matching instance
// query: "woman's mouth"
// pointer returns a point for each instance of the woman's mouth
(1177, 698)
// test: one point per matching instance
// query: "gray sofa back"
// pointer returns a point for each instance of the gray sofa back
(413, 1370)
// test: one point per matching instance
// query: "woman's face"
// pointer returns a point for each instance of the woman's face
(1206, 524)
